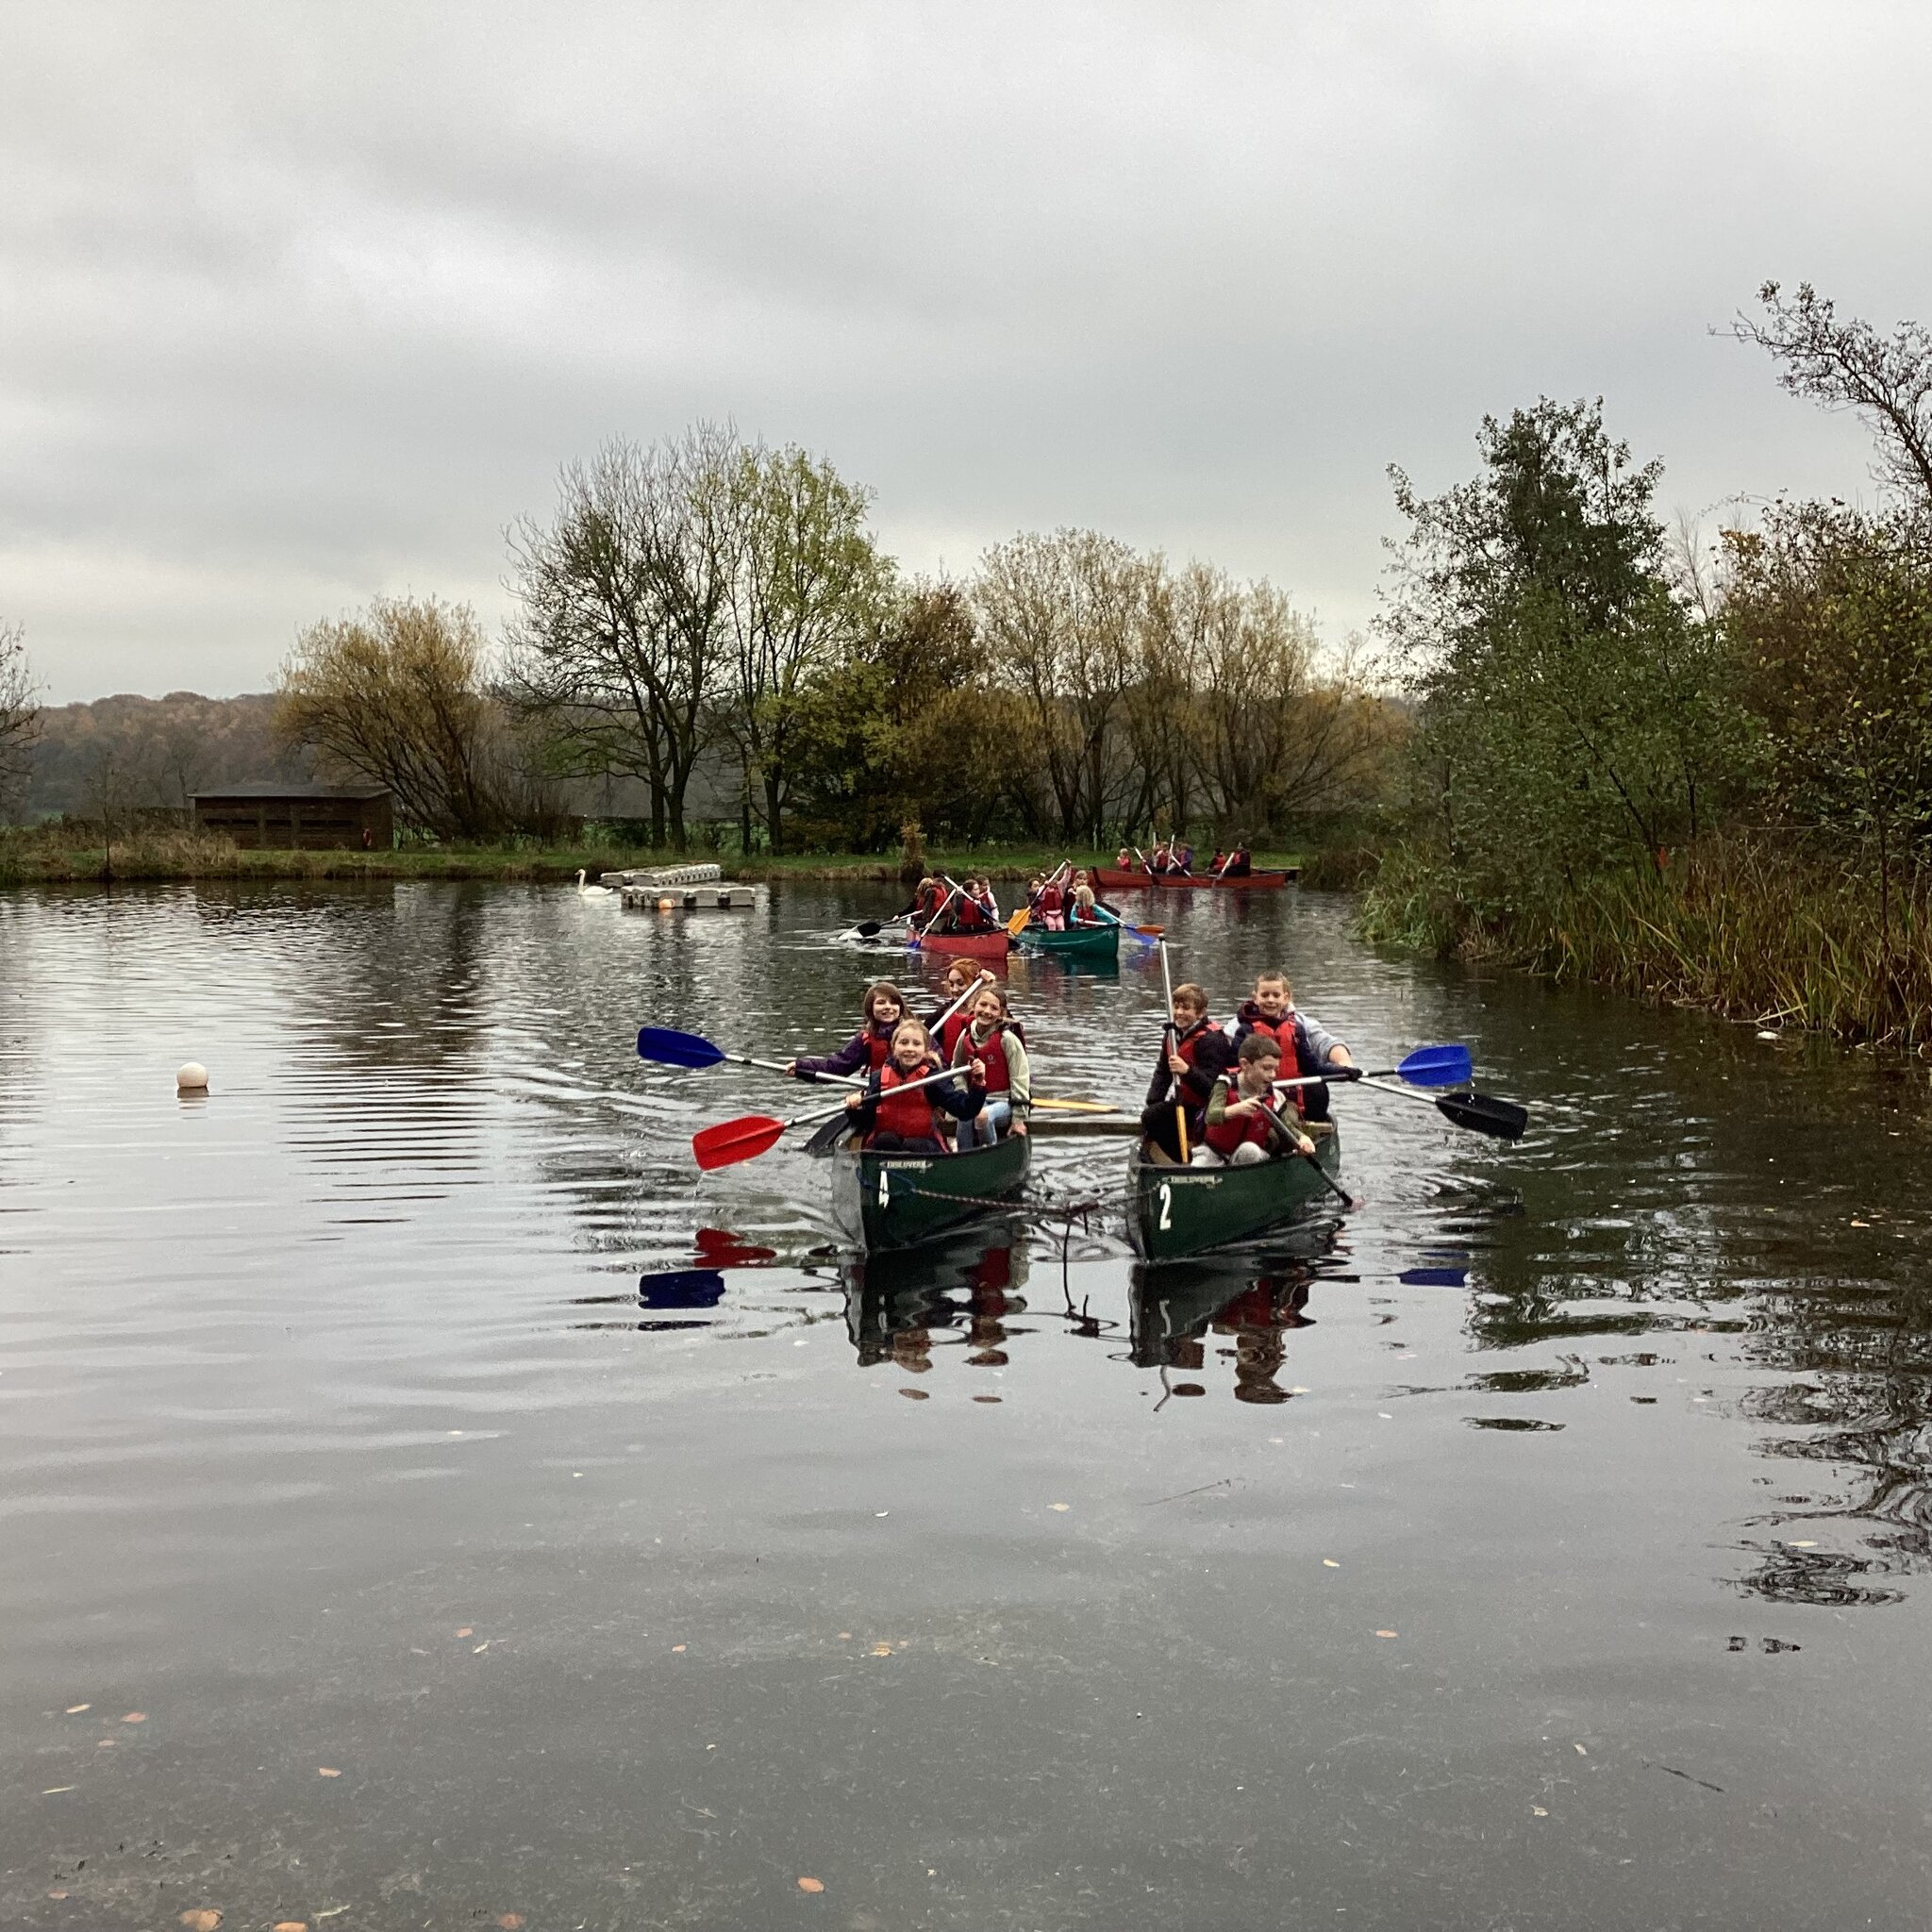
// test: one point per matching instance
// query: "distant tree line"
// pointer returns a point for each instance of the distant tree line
(708, 602)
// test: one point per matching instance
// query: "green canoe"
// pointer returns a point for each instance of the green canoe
(883, 1201)
(1172, 1211)
(1082, 943)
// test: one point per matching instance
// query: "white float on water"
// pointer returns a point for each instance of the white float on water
(192, 1078)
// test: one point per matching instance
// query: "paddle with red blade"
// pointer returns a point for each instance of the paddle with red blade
(753, 1134)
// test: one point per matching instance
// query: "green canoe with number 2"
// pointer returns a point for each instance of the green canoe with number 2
(1176, 1212)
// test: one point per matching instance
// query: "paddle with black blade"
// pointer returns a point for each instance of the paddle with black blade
(752, 1134)
(1481, 1113)
(827, 1137)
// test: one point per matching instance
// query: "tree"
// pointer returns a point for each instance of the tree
(624, 617)
(1574, 714)
(1830, 612)
(19, 714)
(811, 587)
(396, 696)
(1061, 616)
(1849, 365)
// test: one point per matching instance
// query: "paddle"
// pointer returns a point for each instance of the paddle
(1313, 1159)
(1180, 1111)
(827, 1137)
(1481, 1113)
(1428, 1066)
(752, 1134)
(693, 1052)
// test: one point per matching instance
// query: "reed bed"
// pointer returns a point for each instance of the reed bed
(1751, 927)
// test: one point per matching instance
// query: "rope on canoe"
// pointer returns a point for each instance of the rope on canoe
(1065, 1212)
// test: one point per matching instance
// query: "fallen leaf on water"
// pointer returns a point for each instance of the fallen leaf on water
(916, 1394)
(510, 1921)
(986, 1398)
(1802, 1545)
(57, 1894)
(844, 1636)
(812, 1885)
(1581, 1752)
(676, 1648)
(466, 1631)
(1385, 1633)
(1860, 1223)
(876, 1513)
(1063, 1508)
(54, 1791)
(135, 1716)
(482, 1647)
(1329, 1563)
(203, 1919)
(106, 1744)
(76, 1709)
(326, 1771)
(290, 1925)
(1538, 1811)
(882, 1650)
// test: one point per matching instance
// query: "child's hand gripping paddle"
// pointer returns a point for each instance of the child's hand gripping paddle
(753, 1134)
(1313, 1157)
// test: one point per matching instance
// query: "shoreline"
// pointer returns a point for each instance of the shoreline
(36, 862)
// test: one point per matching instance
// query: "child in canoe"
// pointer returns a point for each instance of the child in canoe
(1307, 1046)
(1194, 1053)
(1049, 901)
(883, 1006)
(1244, 1126)
(894, 1122)
(954, 1013)
(993, 1045)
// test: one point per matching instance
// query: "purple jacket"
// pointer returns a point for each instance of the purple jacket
(855, 1056)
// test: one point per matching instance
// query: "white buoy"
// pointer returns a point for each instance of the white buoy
(192, 1078)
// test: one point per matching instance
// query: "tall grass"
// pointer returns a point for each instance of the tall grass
(1751, 927)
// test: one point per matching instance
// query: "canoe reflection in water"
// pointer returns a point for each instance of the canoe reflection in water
(1177, 1308)
(967, 1290)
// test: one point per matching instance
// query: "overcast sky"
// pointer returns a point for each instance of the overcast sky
(304, 302)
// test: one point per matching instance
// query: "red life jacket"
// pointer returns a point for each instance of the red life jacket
(911, 1116)
(1229, 1134)
(950, 1031)
(878, 1046)
(991, 1054)
(1287, 1034)
(969, 915)
(1189, 1043)
(1051, 898)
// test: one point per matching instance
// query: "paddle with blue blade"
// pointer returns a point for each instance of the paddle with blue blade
(1428, 1066)
(1435, 1067)
(667, 1047)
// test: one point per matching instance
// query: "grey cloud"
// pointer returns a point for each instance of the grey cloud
(304, 304)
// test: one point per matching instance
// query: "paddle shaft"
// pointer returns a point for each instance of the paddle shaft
(905, 1086)
(1312, 1156)
(1168, 1034)
(1503, 1121)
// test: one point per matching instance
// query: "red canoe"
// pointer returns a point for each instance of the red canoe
(971, 945)
(1111, 881)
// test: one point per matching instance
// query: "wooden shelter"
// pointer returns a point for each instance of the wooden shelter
(299, 817)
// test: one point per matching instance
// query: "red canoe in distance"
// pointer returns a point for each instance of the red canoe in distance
(970, 945)
(1111, 881)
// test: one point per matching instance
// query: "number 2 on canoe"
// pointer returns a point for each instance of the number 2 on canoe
(1166, 1205)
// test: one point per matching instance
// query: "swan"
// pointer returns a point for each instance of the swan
(585, 891)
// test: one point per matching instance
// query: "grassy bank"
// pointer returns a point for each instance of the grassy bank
(50, 856)
(1753, 929)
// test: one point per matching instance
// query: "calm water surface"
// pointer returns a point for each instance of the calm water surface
(428, 1502)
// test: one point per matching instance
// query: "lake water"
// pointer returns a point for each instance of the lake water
(428, 1502)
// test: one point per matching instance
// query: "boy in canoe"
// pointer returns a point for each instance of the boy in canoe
(1306, 1045)
(994, 1046)
(1243, 1127)
(1193, 1054)
(918, 1122)
(883, 1006)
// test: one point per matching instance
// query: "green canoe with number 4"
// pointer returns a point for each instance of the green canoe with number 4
(883, 1201)
(1174, 1211)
